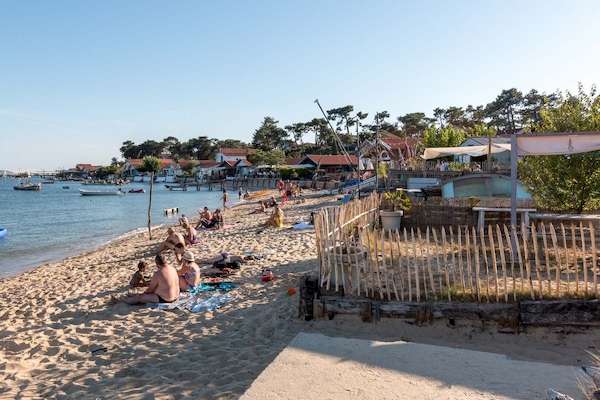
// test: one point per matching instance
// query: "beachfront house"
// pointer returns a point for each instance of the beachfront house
(391, 149)
(335, 167)
(232, 154)
(87, 170)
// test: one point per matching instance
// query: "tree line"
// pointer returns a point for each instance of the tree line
(445, 127)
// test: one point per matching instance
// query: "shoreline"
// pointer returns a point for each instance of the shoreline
(61, 338)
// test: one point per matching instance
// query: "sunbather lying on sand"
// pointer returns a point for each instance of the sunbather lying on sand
(179, 250)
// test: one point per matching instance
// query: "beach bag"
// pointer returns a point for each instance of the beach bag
(224, 264)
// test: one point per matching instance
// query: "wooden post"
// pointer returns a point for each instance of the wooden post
(448, 284)
(429, 266)
(408, 266)
(567, 271)
(494, 263)
(502, 260)
(512, 261)
(485, 263)
(477, 267)
(537, 261)
(417, 283)
(527, 266)
(575, 263)
(594, 257)
(558, 261)
(400, 266)
(384, 267)
(391, 241)
(424, 273)
(547, 258)
(583, 259)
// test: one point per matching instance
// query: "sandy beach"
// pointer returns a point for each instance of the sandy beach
(60, 337)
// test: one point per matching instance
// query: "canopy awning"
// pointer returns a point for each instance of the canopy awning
(473, 151)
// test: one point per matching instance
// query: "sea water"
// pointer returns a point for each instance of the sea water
(58, 222)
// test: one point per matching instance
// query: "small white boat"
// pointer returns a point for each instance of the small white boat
(28, 186)
(2, 232)
(100, 192)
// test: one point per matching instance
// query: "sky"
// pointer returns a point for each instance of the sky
(79, 78)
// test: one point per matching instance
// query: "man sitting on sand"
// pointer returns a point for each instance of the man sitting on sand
(164, 286)
(216, 220)
(171, 241)
(205, 216)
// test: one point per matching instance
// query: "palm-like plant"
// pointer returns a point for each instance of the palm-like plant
(399, 200)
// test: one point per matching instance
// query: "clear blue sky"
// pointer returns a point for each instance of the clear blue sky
(78, 78)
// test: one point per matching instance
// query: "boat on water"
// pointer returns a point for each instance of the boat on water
(137, 191)
(47, 182)
(100, 192)
(256, 194)
(28, 186)
(2, 232)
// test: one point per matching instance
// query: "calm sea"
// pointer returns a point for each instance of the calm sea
(57, 222)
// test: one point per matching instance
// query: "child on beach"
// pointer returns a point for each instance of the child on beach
(183, 219)
(138, 279)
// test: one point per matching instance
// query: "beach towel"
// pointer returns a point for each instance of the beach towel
(213, 229)
(196, 302)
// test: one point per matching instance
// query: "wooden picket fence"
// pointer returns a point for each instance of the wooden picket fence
(458, 263)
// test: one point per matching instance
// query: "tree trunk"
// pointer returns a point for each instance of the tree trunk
(150, 205)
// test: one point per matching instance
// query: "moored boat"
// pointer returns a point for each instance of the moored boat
(2, 232)
(100, 192)
(47, 182)
(256, 194)
(28, 186)
(137, 191)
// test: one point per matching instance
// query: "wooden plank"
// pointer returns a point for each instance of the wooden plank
(417, 284)
(527, 266)
(566, 248)
(494, 263)
(422, 257)
(485, 263)
(445, 263)
(512, 261)
(547, 259)
(477, 267)
(384, 267)
(432, 282)
(400, 265)
(559, 312)
(537, 260)
(557, 256)
(583, 259)
(594, 257)
(408, 265)
(575, 263)
(502, 260)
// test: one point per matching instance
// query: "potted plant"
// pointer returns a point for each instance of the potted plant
(399, 201)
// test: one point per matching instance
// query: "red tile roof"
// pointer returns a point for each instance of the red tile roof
(293, 161)
(332, 159)
(232, 152)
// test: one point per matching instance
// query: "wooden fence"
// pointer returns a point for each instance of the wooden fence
(452, 263)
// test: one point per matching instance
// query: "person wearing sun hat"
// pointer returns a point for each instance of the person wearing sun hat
(189, 274)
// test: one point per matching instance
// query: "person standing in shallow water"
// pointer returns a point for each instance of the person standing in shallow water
(225, 199)
(240, 193)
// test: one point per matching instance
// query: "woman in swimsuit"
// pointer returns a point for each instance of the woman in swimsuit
(189, 274)
(190, 237)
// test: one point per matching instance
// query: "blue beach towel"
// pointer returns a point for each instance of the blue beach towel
(200, 300)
